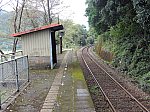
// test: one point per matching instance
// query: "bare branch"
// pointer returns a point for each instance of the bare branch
(20, 18)
(45, 12)
(17, 27)
(1, 51)
(48, 10)
(31, 19)
(3, 4)
(16, 15)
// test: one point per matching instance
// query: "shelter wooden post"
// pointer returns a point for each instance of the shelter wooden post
(51, 53)
(54, 47)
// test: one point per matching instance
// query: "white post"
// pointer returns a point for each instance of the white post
(51, 54)
(2, 71)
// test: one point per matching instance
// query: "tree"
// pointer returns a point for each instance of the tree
(51, 9)
(41, 12)
(142, 8)
(94, 11)
(123, 27)
(1, 5)
(75, 34)
(18, 8)
(30, 14)
(28, 4)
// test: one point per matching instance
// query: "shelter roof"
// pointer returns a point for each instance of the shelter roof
(53, 27)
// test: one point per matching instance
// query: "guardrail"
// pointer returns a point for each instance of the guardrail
(13, 75)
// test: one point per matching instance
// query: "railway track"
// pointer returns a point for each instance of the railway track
(112, 95)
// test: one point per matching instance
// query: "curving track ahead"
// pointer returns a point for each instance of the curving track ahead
(114, 97)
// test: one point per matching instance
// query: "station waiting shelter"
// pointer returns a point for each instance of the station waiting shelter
(40, 44)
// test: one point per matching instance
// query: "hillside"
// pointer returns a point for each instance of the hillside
(5, 22)
(6, 42)
(122, 27)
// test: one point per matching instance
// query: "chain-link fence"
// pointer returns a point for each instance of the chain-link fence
(13, 75)
(10, 56)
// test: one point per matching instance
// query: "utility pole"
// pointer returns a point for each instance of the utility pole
(61, 34)
(60, 44)
(58, 19)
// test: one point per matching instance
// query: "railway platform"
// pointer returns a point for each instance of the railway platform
(68, 92)
(62, 89)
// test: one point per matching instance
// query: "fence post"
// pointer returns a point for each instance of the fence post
(28, 68)
(2, 74)
(0, 100)
(1, 58)
(22, 53)
(2, 81)
(17, 78)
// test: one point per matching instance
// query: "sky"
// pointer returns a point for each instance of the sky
(75, 11)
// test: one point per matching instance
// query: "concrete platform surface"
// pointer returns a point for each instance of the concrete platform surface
(69, 92)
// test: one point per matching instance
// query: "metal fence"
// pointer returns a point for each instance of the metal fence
(10, 56)
(13, 75)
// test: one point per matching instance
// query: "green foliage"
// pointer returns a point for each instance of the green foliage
(104, 14)
(145, 82)
(91, 36)
(77, 71)
(103, 50)
(94, 89)
(94, 14)
(75, 34)
(124, 29)
(142, 8)
(90, 40)
(131, 52)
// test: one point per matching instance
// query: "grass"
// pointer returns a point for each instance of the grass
(94, 89)
(76, 71)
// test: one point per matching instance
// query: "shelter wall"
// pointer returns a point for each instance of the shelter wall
(36, 43)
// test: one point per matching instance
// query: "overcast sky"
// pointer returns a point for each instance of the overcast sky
(75, 11)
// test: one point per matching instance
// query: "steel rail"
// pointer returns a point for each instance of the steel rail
(140, 104)
(109, 102)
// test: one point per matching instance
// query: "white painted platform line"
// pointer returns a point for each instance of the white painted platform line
(51, 98)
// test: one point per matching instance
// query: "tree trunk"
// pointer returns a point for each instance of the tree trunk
(17, 28)
(49, 14)
(45, 13)
(20, 18)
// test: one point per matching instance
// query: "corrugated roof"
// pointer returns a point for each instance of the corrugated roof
(53, 27)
